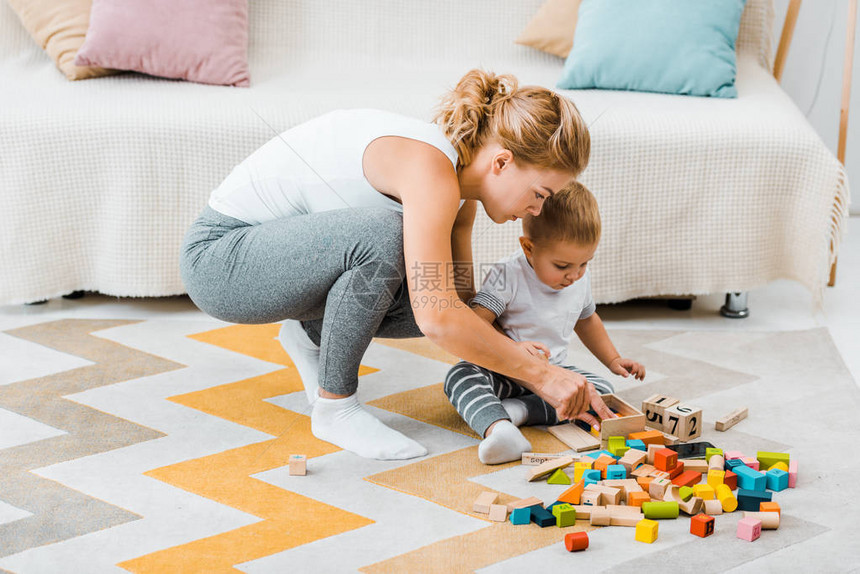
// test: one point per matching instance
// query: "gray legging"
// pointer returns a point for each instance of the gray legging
(341, 273)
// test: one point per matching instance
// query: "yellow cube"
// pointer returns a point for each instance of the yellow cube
(716, 478)
(646, 530)
(704, 491)
(578, 469)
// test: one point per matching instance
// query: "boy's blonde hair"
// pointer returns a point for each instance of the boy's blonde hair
(537, 125)
(571, 215)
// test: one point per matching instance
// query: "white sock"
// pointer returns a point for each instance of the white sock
(345, 423)
(304, 354)
(517, 410)
(505, 443)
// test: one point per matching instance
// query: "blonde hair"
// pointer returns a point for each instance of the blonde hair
(571, 215)
(537, 125)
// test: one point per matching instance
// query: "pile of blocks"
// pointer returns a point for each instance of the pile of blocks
(637, 481)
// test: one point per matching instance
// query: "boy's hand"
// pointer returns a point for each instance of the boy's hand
(626, 367)
(535, 348)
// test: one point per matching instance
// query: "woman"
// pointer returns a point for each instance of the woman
(345, 228)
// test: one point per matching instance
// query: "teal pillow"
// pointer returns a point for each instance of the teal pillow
(670, 46)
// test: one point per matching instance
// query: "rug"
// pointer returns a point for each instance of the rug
(161, 446)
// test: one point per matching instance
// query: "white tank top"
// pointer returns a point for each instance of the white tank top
(317, 166)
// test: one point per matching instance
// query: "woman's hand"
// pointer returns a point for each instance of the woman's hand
(571, 395)
(627, 367)
(535, 348)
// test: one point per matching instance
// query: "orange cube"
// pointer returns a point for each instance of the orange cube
(665, 459)
(637, 498)
(602, 462)
(702, 525)
(644, 481)
(769, 507)
(648, 437)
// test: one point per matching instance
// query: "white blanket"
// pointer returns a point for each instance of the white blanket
(100, 178)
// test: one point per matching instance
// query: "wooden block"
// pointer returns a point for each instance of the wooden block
(579, 468)
(298, 465)
(731, 480)
(537, 459)
(575, 541)
(652, 450)
(565, 515)
(750, 499)
(618, 472)
(717, 462)
(673, 493)
(524, 503)
(573, 494)
(696, 464)
(610, 495)
(583, 512)
(599, 516)
(637, 498)
(646, 531)
(574, 437)
(645, 481)
(521, 516)
(792, 473)
(768, 459)
(660, 474)
(615, 509)
(649, 437)
(769, 520)
(769, 507)
(632, 459)
(498, 512)
(660, 509)
(688, 478)
(591, 498)
(704, 491)
(702, 525)
(558, 477)
(549, 467)
(484, 501)
(644, 470)
(780, 466)
(749, 529)
(669, 439)
(602, 463)
(657, 488)
(693, 506)
(542, 517)
(683, 421)
(713, 507)
(676, 472)
(625, 519)
(629, 419)
(654, 406)
(726, 498)
(665, 459)
(716, 478)
(731, 419)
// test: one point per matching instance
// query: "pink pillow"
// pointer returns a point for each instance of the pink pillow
(197, 40)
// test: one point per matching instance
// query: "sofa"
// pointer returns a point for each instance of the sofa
(100, 178)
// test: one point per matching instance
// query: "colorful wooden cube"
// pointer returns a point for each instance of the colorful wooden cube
(579, 468)
(602, 463)
(541, 516)
(498, 512)
(637, 498)
(298, 465)
(565, 515)
(520, 516)
(654, 407)
(777, 479)
(769, 507)
(616, 472)
(648, 437)
(716, 478)
(484, 501)
(702, 525)
(733, 454)
(749, 529)
(665, 459)
(617, 445)
(576, 541)
(637, 444)
(751, 462)
(646, 530)
(683, 421)
(749, 479)
(792, 474)
(688, 478)
(709, 452)
(704, 491)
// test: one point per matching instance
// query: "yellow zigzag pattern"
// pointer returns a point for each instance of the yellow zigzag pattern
(288, 519)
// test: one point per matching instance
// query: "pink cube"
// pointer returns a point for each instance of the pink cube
(792, 473)
(732, 454)
(750, 462)
(749, 529)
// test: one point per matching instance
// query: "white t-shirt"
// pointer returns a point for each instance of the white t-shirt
(529, 310)
(317, 166)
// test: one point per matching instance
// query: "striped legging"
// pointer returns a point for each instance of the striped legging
(477, 395)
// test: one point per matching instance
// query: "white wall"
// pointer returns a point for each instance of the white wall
(803, 67)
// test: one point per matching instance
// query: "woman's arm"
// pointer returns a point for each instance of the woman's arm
(461, 246)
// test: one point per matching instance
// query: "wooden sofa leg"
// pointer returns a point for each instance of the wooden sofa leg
(832, 281)
(735, 306)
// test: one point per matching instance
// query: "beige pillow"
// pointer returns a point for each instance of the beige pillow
(551, 29)
(59, 27)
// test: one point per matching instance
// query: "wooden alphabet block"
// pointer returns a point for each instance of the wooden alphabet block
(591, 498)
(484, 501)
(665, 459)
(702, 525)
(298, 465)
(731, 419)
(654, 407)
(498, 512)
(646, 531)
(749, 529)
(565, 515)
(683, 421)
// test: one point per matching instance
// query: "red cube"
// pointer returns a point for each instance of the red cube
(665, 459)
(702, 525)
(675, 472)
(731, 480)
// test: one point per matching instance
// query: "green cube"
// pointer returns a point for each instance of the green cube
(565, 515)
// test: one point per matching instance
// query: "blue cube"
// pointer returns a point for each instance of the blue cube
(521, 515)
(596, 454)
(749, 479)
(776, 479)
(751, 499)
(617, 471)
(733, 463)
